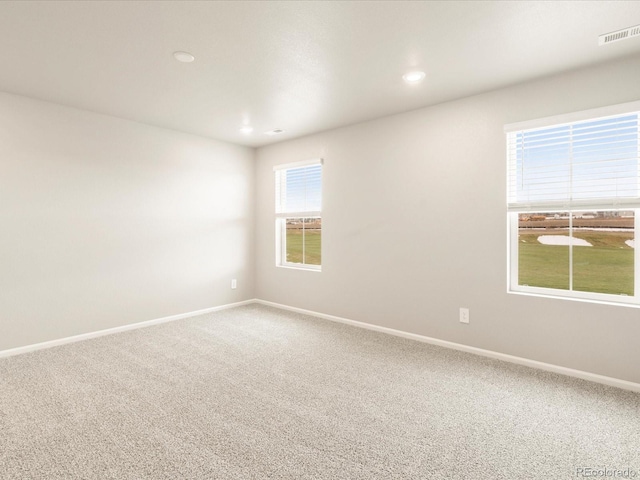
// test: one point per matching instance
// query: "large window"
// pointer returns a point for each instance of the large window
(299, 215)
(574, 205)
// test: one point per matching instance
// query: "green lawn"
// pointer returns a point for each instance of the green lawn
(606, 267)
(312, 243)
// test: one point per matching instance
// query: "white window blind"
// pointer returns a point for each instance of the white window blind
(299, 189)
(583, 164)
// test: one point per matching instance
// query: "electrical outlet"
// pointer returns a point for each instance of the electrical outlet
(464, 315)
(234, 283)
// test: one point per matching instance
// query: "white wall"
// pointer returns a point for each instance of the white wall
(414, 227)
(106, 222)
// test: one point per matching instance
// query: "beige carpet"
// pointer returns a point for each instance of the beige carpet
(258, 393)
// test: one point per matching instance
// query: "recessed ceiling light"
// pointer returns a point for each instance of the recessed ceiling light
(415, 76)
(277, 131)
(184, 57)
(246, 129)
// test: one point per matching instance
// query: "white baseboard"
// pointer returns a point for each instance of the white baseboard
(110, 331)
(593, 377)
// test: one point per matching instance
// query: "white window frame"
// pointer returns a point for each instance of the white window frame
(513, 213)
(281, 222)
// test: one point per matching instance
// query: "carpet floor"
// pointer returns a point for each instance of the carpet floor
(259, 393)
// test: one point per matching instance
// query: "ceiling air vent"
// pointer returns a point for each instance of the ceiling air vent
(619, 35)
(277, 131)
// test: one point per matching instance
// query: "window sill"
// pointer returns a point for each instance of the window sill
(613, 303)
(302, 267)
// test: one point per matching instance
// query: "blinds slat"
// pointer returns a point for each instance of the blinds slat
(298, 190)
(591, 163)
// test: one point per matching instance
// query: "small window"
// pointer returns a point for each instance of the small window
(299, 215)
(573, 206)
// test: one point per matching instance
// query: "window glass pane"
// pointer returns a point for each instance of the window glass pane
(603, 252)
(312, 240)
(294, 240)
(543, 165)
(594, 159)
(299, 189)
(303, 237)
(543, 250)
(313, 181)
(296, 188)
